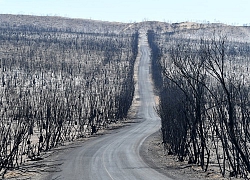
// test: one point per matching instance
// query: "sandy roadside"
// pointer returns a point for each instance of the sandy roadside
(152, 152)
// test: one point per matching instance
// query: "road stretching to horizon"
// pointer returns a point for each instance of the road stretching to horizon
(116, 156)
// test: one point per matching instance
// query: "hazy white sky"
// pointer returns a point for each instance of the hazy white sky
(225, 11)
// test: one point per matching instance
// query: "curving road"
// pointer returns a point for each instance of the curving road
(116, 156)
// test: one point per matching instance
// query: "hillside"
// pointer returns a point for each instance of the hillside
(61, 23)
(190, 29)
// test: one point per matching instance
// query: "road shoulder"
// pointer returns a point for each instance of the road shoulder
(152, 152)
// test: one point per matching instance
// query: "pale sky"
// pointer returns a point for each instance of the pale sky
(235, 12)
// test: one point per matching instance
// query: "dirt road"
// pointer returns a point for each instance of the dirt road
(116, 156)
